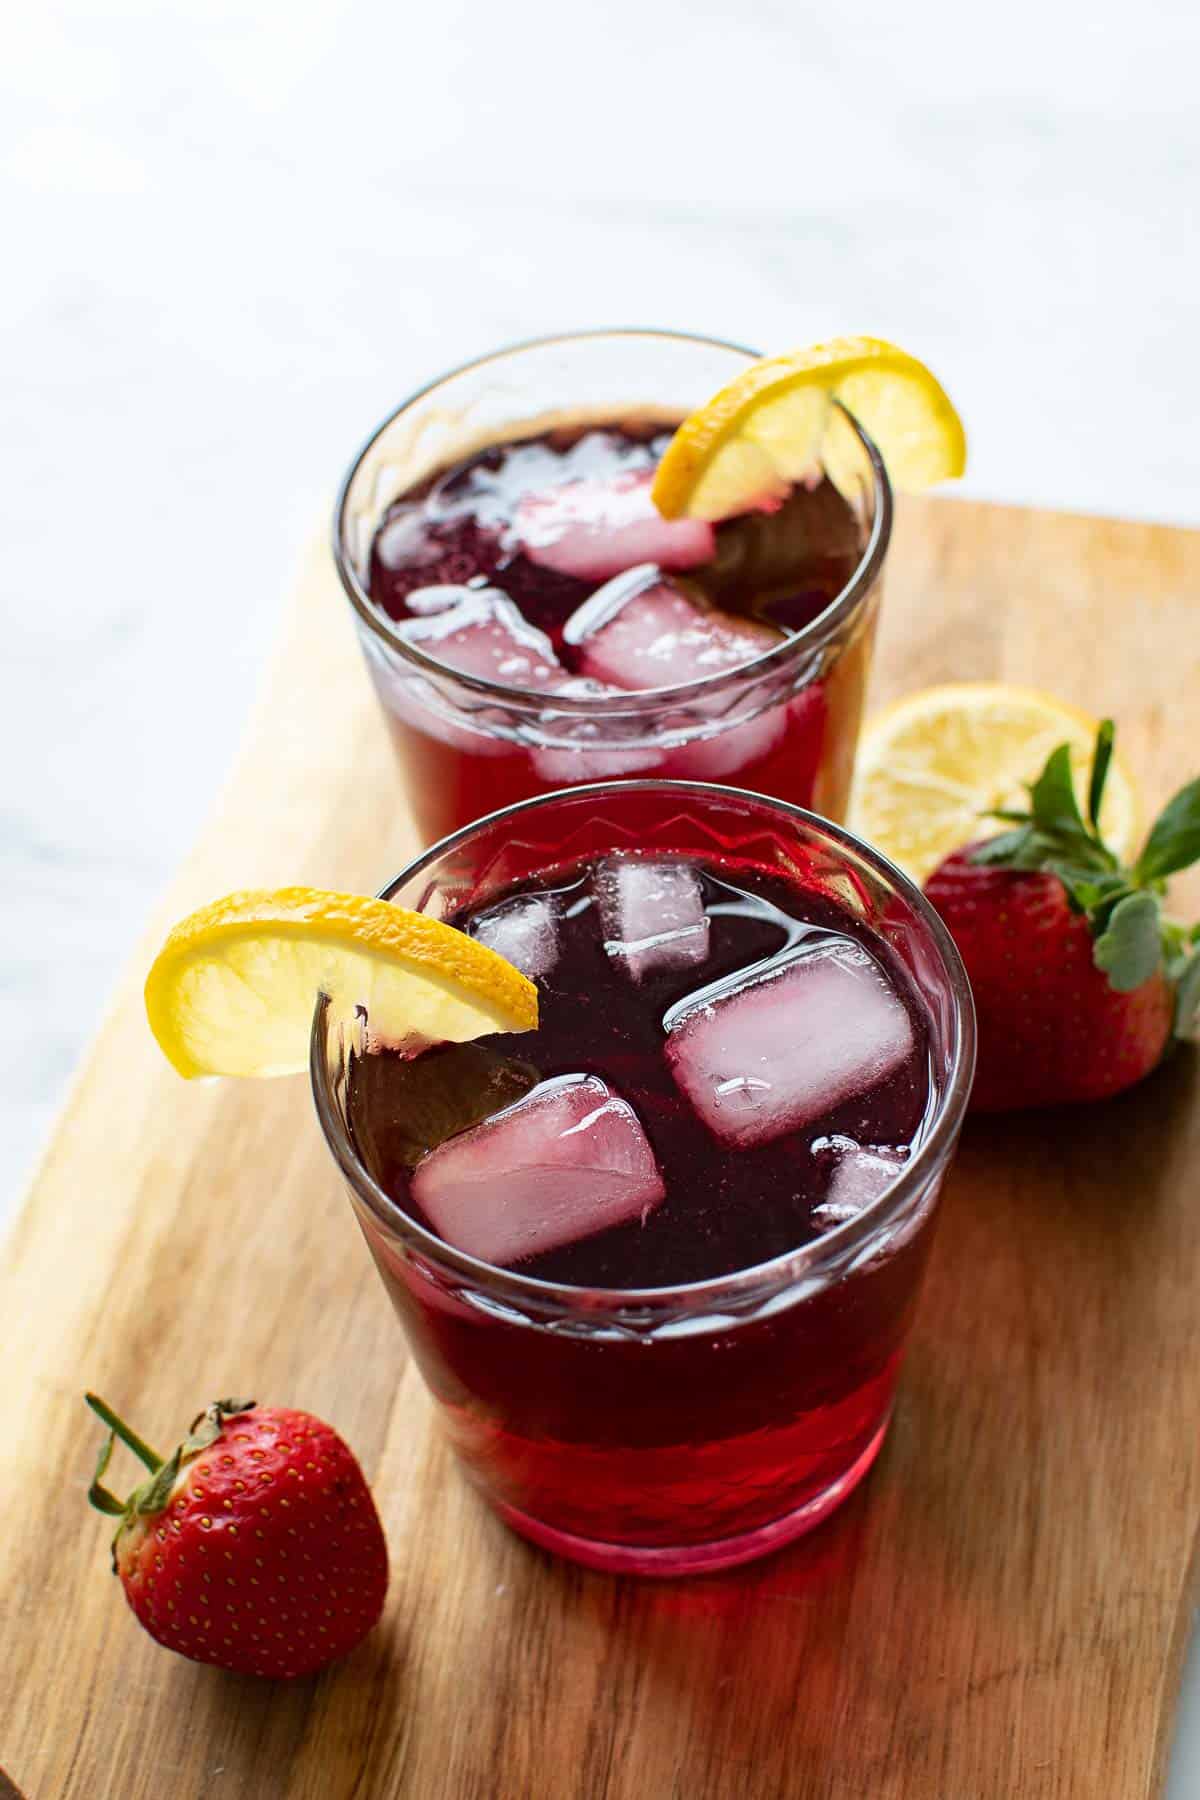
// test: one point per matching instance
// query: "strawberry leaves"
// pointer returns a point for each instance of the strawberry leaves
(98, 1495)
(1100, 761)
(151, 1495)
(1123, 907)
(1056, 813)
(1187, 1000)
(1129, 949)
(1053, 831)
(1174, 841)
(1181, 954)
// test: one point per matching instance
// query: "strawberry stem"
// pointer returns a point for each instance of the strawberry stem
(128, 1437)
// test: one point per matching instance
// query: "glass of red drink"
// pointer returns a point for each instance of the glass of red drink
(664, 1336)
(530, 622)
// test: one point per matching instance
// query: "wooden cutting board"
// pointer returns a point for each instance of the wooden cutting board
(1000, 1611)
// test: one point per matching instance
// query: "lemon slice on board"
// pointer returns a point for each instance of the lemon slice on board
(232, 991)
(767, 429)
(933, 765)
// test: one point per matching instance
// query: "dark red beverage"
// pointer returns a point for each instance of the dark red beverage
(732, 1065)
(531, 622)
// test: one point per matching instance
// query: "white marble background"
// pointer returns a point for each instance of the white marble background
(238, 230)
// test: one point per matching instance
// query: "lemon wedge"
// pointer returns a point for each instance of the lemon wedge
(775, 421)
(233, 989)
(933, 765)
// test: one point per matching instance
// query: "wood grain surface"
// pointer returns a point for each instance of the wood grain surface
(1000, 1611)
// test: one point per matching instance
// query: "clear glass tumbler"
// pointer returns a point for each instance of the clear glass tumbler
(672, 1429)
(785, 724)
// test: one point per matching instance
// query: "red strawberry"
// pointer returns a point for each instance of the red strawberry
(1050, 1027)
(1078, 978)
(255, 1546)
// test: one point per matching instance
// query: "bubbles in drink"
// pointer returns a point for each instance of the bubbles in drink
(652, 914)
(569, 1160)
(771, 1055)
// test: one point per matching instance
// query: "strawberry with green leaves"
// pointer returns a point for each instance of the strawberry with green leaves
(256, 1545)
(1081, 980)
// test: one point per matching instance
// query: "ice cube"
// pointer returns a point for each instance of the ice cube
(594, 528)
(639, 632)
(486, 635)
(404, 542)
(589, 758)
(591, 749)
(413, 699)
(483, 634)
(727, 752)
(441, 598)
(767, 1057)
(652, 915)
(568, 1160)
(524, 930)
(859, 1177)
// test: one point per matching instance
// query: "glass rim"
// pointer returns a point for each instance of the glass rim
(791, 649)
(741, 1286)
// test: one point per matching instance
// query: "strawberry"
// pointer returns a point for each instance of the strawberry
(256, 1545)
(1080, 981)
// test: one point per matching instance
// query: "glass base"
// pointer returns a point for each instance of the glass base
(698, 1559)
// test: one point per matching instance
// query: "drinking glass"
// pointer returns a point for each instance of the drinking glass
(680, 1428)
(784, 724)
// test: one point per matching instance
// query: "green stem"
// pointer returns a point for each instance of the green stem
(129, 1438)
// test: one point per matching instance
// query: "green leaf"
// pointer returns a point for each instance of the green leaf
(1091, 891)
(1001, 851)
(105, 1456)
(1177, 940)
(1100, 914)
(206, 1426)
(1129, 949)
(1052, 796)
(99, 1496)
(1028, 850)
(1100, 761)
(1174, 841)
(1056, 818)
(1089, 886)
(205, 1431)
(104, 1501)
(154, 1496)
(1187, 1001)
